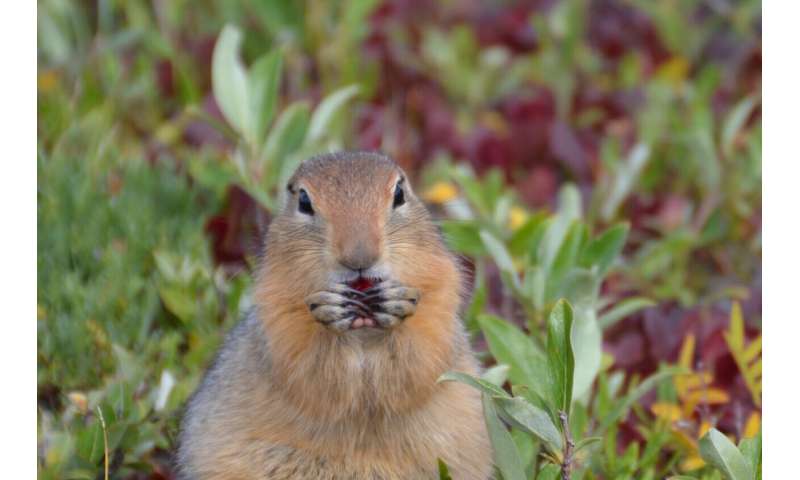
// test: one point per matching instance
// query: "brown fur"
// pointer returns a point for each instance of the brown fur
(288, 398)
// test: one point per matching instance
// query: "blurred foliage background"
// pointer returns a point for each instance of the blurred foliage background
(603, 151)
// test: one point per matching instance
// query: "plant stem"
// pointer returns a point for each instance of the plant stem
(566, 465)
(105, 442)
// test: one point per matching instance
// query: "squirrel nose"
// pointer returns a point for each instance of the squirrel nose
(360, 257)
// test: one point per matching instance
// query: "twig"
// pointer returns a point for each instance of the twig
(566, 465)
(105, 440)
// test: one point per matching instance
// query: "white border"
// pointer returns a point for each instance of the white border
(781, 242)
(18, 245)
(781, 202)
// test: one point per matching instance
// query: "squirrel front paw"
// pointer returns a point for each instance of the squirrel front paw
(339, 307)
(342, 308)
(391, 302)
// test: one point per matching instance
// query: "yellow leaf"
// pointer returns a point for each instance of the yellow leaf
(689, 405)
(495, 122)
(666, 411)
(516, 217)
(704, 428)
(41, 312)
(47, 81)
(709, 396)
(686, 441)
(440, 192)
(693, 462)
(98, 333)
(752, 426)
(674, 70)
(687, 352)
(756, 369)
(752, 351)
(744, 355)
(735, 333)
(693, 381)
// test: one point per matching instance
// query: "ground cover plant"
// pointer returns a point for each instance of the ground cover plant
(596, 165)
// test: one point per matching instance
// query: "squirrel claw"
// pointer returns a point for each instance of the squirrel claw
(392, 304)
(347, 291)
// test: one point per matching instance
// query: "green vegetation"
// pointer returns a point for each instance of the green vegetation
(597, 165)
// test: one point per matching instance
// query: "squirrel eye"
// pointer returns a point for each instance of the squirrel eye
(399, 195)
(304, 203)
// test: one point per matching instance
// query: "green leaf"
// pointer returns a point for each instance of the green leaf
(478, 383)
(479, 299)
(463, 236)
(569, 210)
(509, 345)
(587, 345)
(525, 416)
(603, 250)
(498, 252)
(534, 286)
(285, 137)
(567, 257)
(327, 109)
(506, 455)
(444, 472)
(549, 472)
(717, 450)
(751, 449)
(229, 79)
(527, 446)
(497, 374)
(585, 442)
(472, 189)
(625, 178)
(179, 301)
(263, 83)
(560, 358)
(623, 309)
(622, 406)
(735, 121)
(527, 237)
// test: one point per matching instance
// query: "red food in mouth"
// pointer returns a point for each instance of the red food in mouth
(361, 284)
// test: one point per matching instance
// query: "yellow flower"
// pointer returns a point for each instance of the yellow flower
(79, 400)
(516, 217)
(440, 192)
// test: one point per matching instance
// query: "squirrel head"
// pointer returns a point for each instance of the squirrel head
(352, 217)
(349, 217)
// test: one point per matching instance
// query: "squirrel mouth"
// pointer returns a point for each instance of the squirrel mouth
(363, 284)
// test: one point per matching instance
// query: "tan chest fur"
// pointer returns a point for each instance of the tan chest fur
(251, 430)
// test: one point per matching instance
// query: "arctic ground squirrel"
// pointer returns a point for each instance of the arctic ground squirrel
(332, 374)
